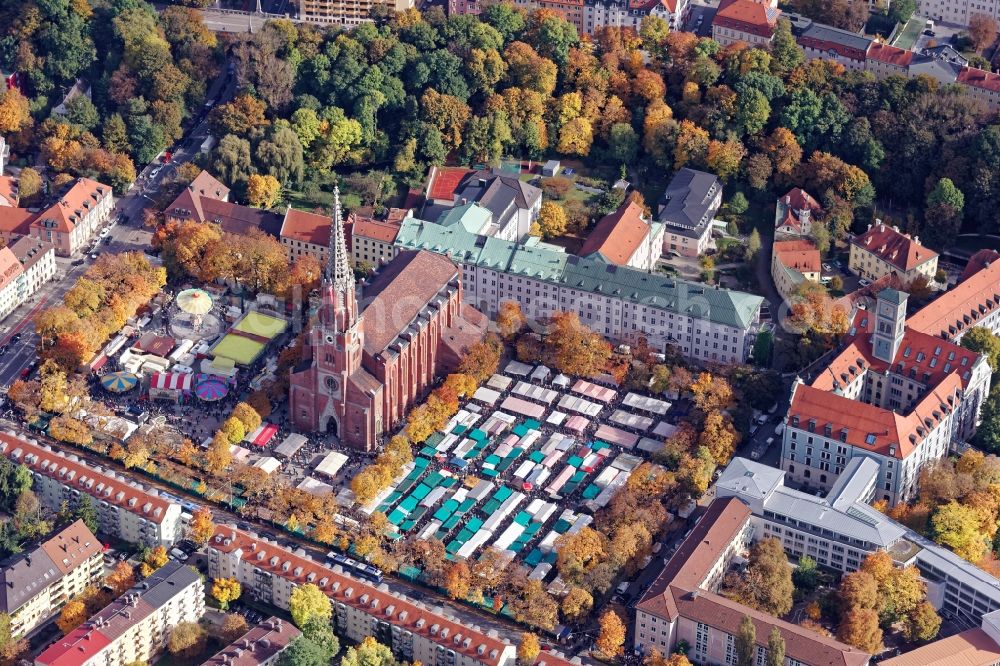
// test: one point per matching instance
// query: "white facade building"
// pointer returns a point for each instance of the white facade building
(620, 303)
(841, 529)
(269, 573)
(126, 510)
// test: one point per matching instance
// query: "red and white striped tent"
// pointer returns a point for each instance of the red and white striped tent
(170, 381)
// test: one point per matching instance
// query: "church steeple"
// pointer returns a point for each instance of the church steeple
(340, 306)
(338, 266)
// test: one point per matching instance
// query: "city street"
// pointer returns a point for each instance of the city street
(128, 236)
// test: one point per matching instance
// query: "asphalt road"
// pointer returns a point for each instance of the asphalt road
(129, 236)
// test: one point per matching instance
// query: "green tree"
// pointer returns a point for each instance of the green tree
(746, 643)
(785, 52)
(738, 205)
(281, 156)
(775, 648)
(507, 19)
(308, 602)
(806, 575)
(86, 512)
(231, 159)
(623, 143)
(81, 112)
(943, 214)
(922, 623)
(317, 646)
(900, 11)
(752, 111)
(753, 244)
(988, 433)
(980, 339)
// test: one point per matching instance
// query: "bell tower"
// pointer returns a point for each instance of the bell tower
(890, 324)
(337, 336)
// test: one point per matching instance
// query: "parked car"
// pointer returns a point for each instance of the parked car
(864, 283)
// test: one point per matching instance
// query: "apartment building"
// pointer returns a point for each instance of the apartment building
(269, 573)
(793, 263)
(71, 222)
(899, 396)
(206, 200)
(745, 21)
(38, 581)
(957, 12)
(136, 626)
(372, 240)
(687, 209)
(974, 301)
(261, 646)
(588, 16)
(621, 303)
(304, 233)
(825, 42)
(979, 646)
(626, 238)
(126, 510)
(884, 249)
(38, 262)
(683, 605)
(347, 12)
(840, 529)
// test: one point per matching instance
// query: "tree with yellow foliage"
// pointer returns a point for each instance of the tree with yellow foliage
(263, 191)
(711, 393)
(528, 649)
(510, 319)
(226, 591)
(121, 578)
(202, 526)
(576, 604)
(153, 560)
(15, 113)
(551, 221)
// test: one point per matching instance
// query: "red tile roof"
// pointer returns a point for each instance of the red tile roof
(618, 235)
(401, 613)
(207, 185)
(16, 220)
(10, 267)
(962, 306)
(8, 189)
(800, 255)
(77, 647)
(84, 478)
(444, 181)
(945, 368)
(232, 218)
(747, 16)
(894, 247)
(380, 230)
(300, 225)
(398, 293)
(979, 79)
(891, 55)
(74, 204)
(796, 201)
(972, 647)
(72, 546)
(978, 262)
(677, 592)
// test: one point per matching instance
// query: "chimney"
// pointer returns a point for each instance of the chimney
(916, 239)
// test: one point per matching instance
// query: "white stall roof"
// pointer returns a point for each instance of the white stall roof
(314, 486)
(499, 382)
(331, 463)
(518, 369)
(562, 380)
(650, 445)
(579, 405)
(634, 421)
(268, 464)
(539, 393)
(487, 395)
(556, 418)
(291, 445)
(646, 403)
(664, 429)
(540, 374)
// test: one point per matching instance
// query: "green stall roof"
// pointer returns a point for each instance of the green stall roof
(532, 424)
(408, 504)
(591, 491)
(522, 518)
(396, 517)
(420, 491)
(477, 435)
(537, 456)
(574, 461)
(502, 493)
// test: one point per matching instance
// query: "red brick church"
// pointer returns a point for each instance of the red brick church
(363, 369)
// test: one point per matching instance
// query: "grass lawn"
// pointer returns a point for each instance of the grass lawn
(910, 33)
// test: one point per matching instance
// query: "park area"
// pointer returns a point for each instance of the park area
(532, 456)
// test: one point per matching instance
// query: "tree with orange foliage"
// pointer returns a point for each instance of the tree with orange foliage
(573, 348)
(121, 578)
(482, 359)
(73, 614)
(458, 580)
(711, 393)
(202, 526)
(510, 319)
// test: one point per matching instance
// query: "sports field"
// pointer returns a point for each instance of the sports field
(238, 348)
(263, 325)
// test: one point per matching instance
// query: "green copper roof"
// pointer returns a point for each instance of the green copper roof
(471, 216)
(721, 306)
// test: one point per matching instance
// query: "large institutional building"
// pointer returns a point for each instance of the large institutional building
(125, 509)
(623, 304)
(884, 250)
(135, 627)
(38, 581)
(269, 573)
(894, 394)
(840, 529)
(683, 604)
(363, 368)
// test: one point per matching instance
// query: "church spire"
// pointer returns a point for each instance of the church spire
(338, 266)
